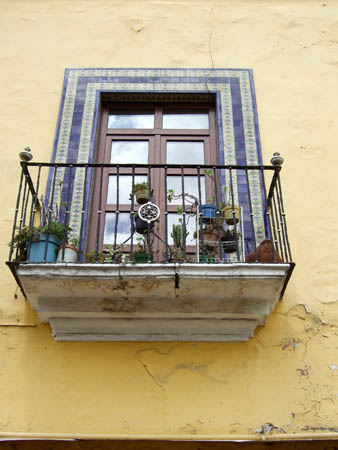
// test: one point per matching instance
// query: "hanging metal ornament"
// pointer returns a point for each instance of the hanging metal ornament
(149, 212)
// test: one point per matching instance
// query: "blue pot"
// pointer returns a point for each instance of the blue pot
(36, 249)
(208, 211)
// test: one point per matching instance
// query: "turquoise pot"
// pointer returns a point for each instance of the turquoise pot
(37, 248)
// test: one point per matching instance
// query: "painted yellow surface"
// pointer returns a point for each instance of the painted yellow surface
(287, 375)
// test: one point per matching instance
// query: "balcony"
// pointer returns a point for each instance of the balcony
(204, 255)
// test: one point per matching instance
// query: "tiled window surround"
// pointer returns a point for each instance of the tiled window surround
(236, 113)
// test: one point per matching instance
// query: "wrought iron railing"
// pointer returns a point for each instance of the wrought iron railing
(91, 213)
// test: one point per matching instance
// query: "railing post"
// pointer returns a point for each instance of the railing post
(183, 220)
(234, 213)
(284, 226)
(218, 213)
(81, 239)
(166, 213)
(117, 212)
(268, 207)
(251, 215)
(99, 212)
(16, 215)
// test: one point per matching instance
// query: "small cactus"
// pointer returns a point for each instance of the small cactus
(177, 235)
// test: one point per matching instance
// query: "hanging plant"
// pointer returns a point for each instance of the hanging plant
(229, 242)
(141, 191)
(228, 214)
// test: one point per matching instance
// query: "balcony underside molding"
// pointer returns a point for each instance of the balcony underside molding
(153, 302)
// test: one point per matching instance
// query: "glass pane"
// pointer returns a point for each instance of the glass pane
(190, 223)
(125, 188)
(190, 121)
(185, 152)
(132, 152)
(123, 228)
(190, 187)
(131, 121)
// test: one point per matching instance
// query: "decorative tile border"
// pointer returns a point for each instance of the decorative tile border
(237, 123)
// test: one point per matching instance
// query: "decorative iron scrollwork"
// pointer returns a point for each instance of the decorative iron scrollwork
(149, 212)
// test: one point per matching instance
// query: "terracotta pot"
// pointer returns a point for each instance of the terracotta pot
(209, 236)
(264, 253)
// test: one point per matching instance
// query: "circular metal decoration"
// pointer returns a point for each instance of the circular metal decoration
(149, 212)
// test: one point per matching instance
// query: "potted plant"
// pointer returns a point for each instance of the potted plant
(209, 233)
(46, 240)
(229, 214)
(114, 255)
(141, 254)
(68, 252)
(141, 226)
(93, 257)
(264, 253)
(52, 232)
(208, 211)
(141, 191)
(208, 255)
(178, 238)
(20, 242)
(109, 255)
(229, 241)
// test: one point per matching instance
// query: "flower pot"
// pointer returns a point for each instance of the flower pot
(67, 253)
(264, 253)
(229, 242)
(207, 259)
(141, 225)
(36, 249)
(142, 258)
(142, 196)
(208, 211)
(228, 215)
(209, 236)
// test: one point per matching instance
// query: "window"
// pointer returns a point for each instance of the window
(154, 133)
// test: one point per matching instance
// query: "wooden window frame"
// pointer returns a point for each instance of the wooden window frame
(158, 137)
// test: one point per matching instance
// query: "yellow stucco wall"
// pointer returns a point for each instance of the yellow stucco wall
(287, 374)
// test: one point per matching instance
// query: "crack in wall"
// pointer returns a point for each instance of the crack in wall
(148, 372)
(211, 14)
(159, 352)
(161, 380)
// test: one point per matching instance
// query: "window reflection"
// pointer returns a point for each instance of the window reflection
(129, 152)
(123, 228)
(190, 121)
(131, 121)
(125, 188)
(190, 186)
(185, 152)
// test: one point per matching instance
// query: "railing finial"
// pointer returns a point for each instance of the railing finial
(276, 159)
(26, 155)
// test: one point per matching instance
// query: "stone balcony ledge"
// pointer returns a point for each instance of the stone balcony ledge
(153, 302)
